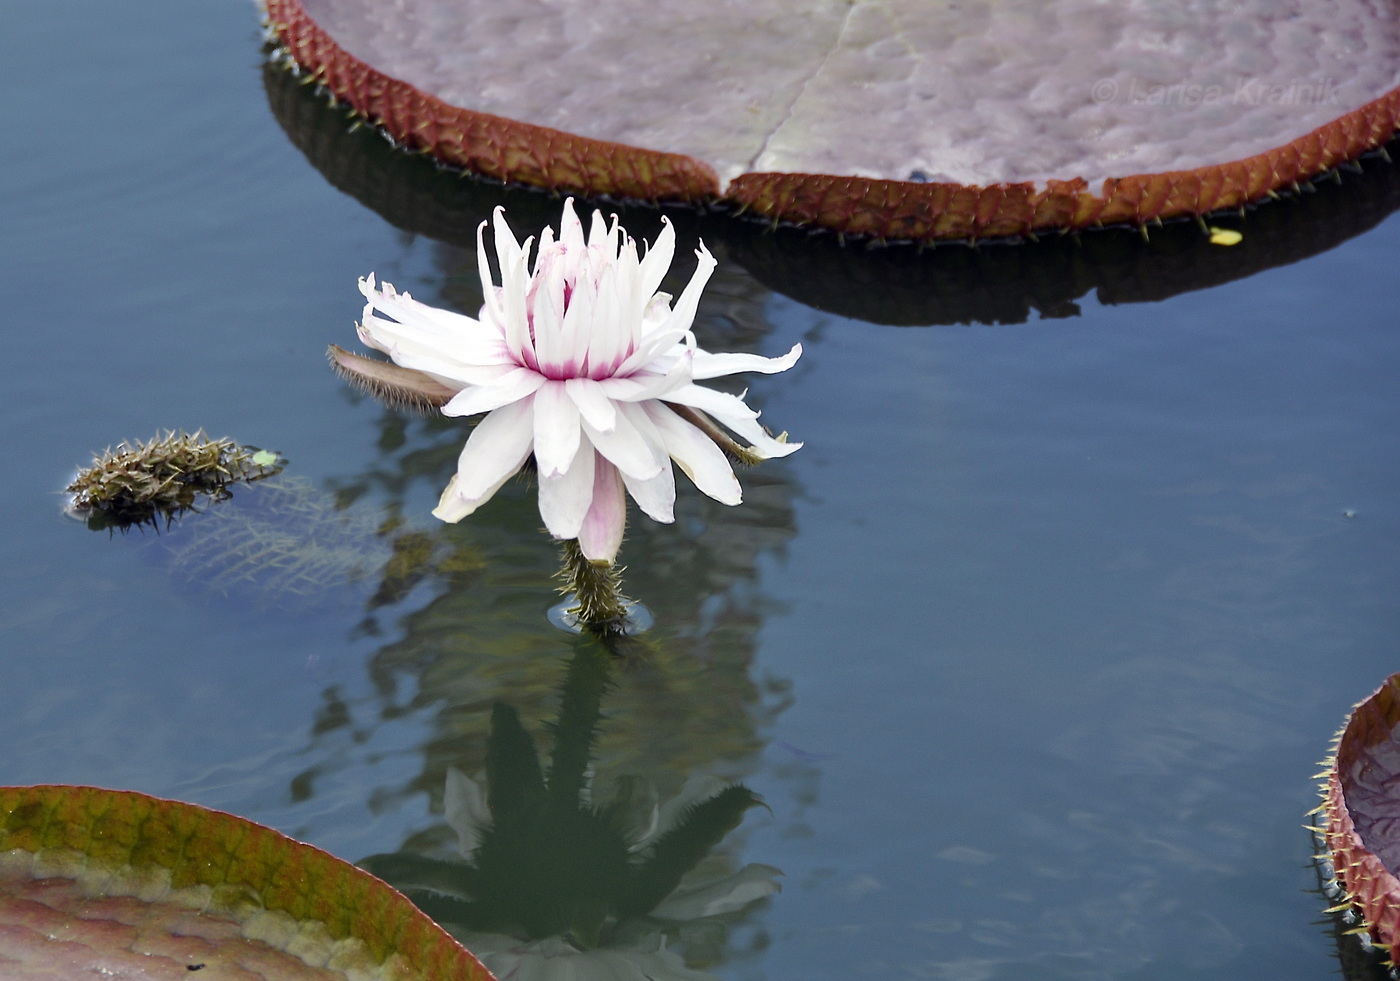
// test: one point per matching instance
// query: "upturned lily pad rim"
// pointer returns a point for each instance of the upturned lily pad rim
(200, 846)
(1369, 887)
(888, 210)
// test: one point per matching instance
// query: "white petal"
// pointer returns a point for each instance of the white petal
(633, 445)
(644, 386)
(424, 337)
(715, 403)
(565, 499)
(578, 327)
(496, 449)
(570, 228)
(557, 431)
(611, 337)
(677, 325)
(696, 454)
(601, 534)
(657, 259)
(595, 406)
(492, 306)
(657, 496)
(387, 300)
(731, 411)
(547, 314)
(709, 365)
(512, 387)
(515, 285)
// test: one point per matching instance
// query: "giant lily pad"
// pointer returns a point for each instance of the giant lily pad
(902, 119)
(99, 882)
(906, 287)
(1362, 810)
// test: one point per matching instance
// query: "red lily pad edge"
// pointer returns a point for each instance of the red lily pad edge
(222, 869)
(1358, 818)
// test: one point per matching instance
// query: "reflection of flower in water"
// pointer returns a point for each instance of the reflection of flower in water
(582, 364)
(634, 948)
(550, 874)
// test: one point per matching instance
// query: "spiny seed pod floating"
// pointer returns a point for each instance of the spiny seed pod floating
(140, 483)
(897, 119)
(1360, 819)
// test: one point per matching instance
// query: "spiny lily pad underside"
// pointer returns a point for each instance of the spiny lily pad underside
(99, 882)
(904, 119)
(1362, 808)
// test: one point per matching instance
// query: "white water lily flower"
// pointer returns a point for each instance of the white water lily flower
(582, 363)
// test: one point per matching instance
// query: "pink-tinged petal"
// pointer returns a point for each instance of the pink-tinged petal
(557, 432)
(647, 385)
(547, 314)
(697, 455)
(597, 409)
(632, 445)
(511, 387)
(657, 260)
(612, 337)
(601, 534)
(497, 448)
(545, 250)
(657, 496)
(566, 498)
(578, 326)
(709, 365)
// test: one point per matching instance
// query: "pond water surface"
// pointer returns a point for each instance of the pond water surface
(1031, 651)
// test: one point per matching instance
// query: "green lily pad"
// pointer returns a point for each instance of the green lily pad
(122, 885)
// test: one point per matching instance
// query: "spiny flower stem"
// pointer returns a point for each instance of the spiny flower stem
(600, 607)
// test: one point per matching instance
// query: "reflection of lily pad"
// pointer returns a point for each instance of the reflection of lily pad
(1362, 816)
(118, 884)
(903, 119)
(940, 285)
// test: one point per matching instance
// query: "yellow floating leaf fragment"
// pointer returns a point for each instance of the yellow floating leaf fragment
(1225, 236)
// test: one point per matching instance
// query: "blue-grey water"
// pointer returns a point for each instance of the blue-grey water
(1031, 651)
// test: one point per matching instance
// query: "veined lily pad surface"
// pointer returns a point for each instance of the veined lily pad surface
(120, 885)
(1362, 810)
(900, 118)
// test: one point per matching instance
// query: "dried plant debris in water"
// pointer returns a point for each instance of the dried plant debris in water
(140, 483)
